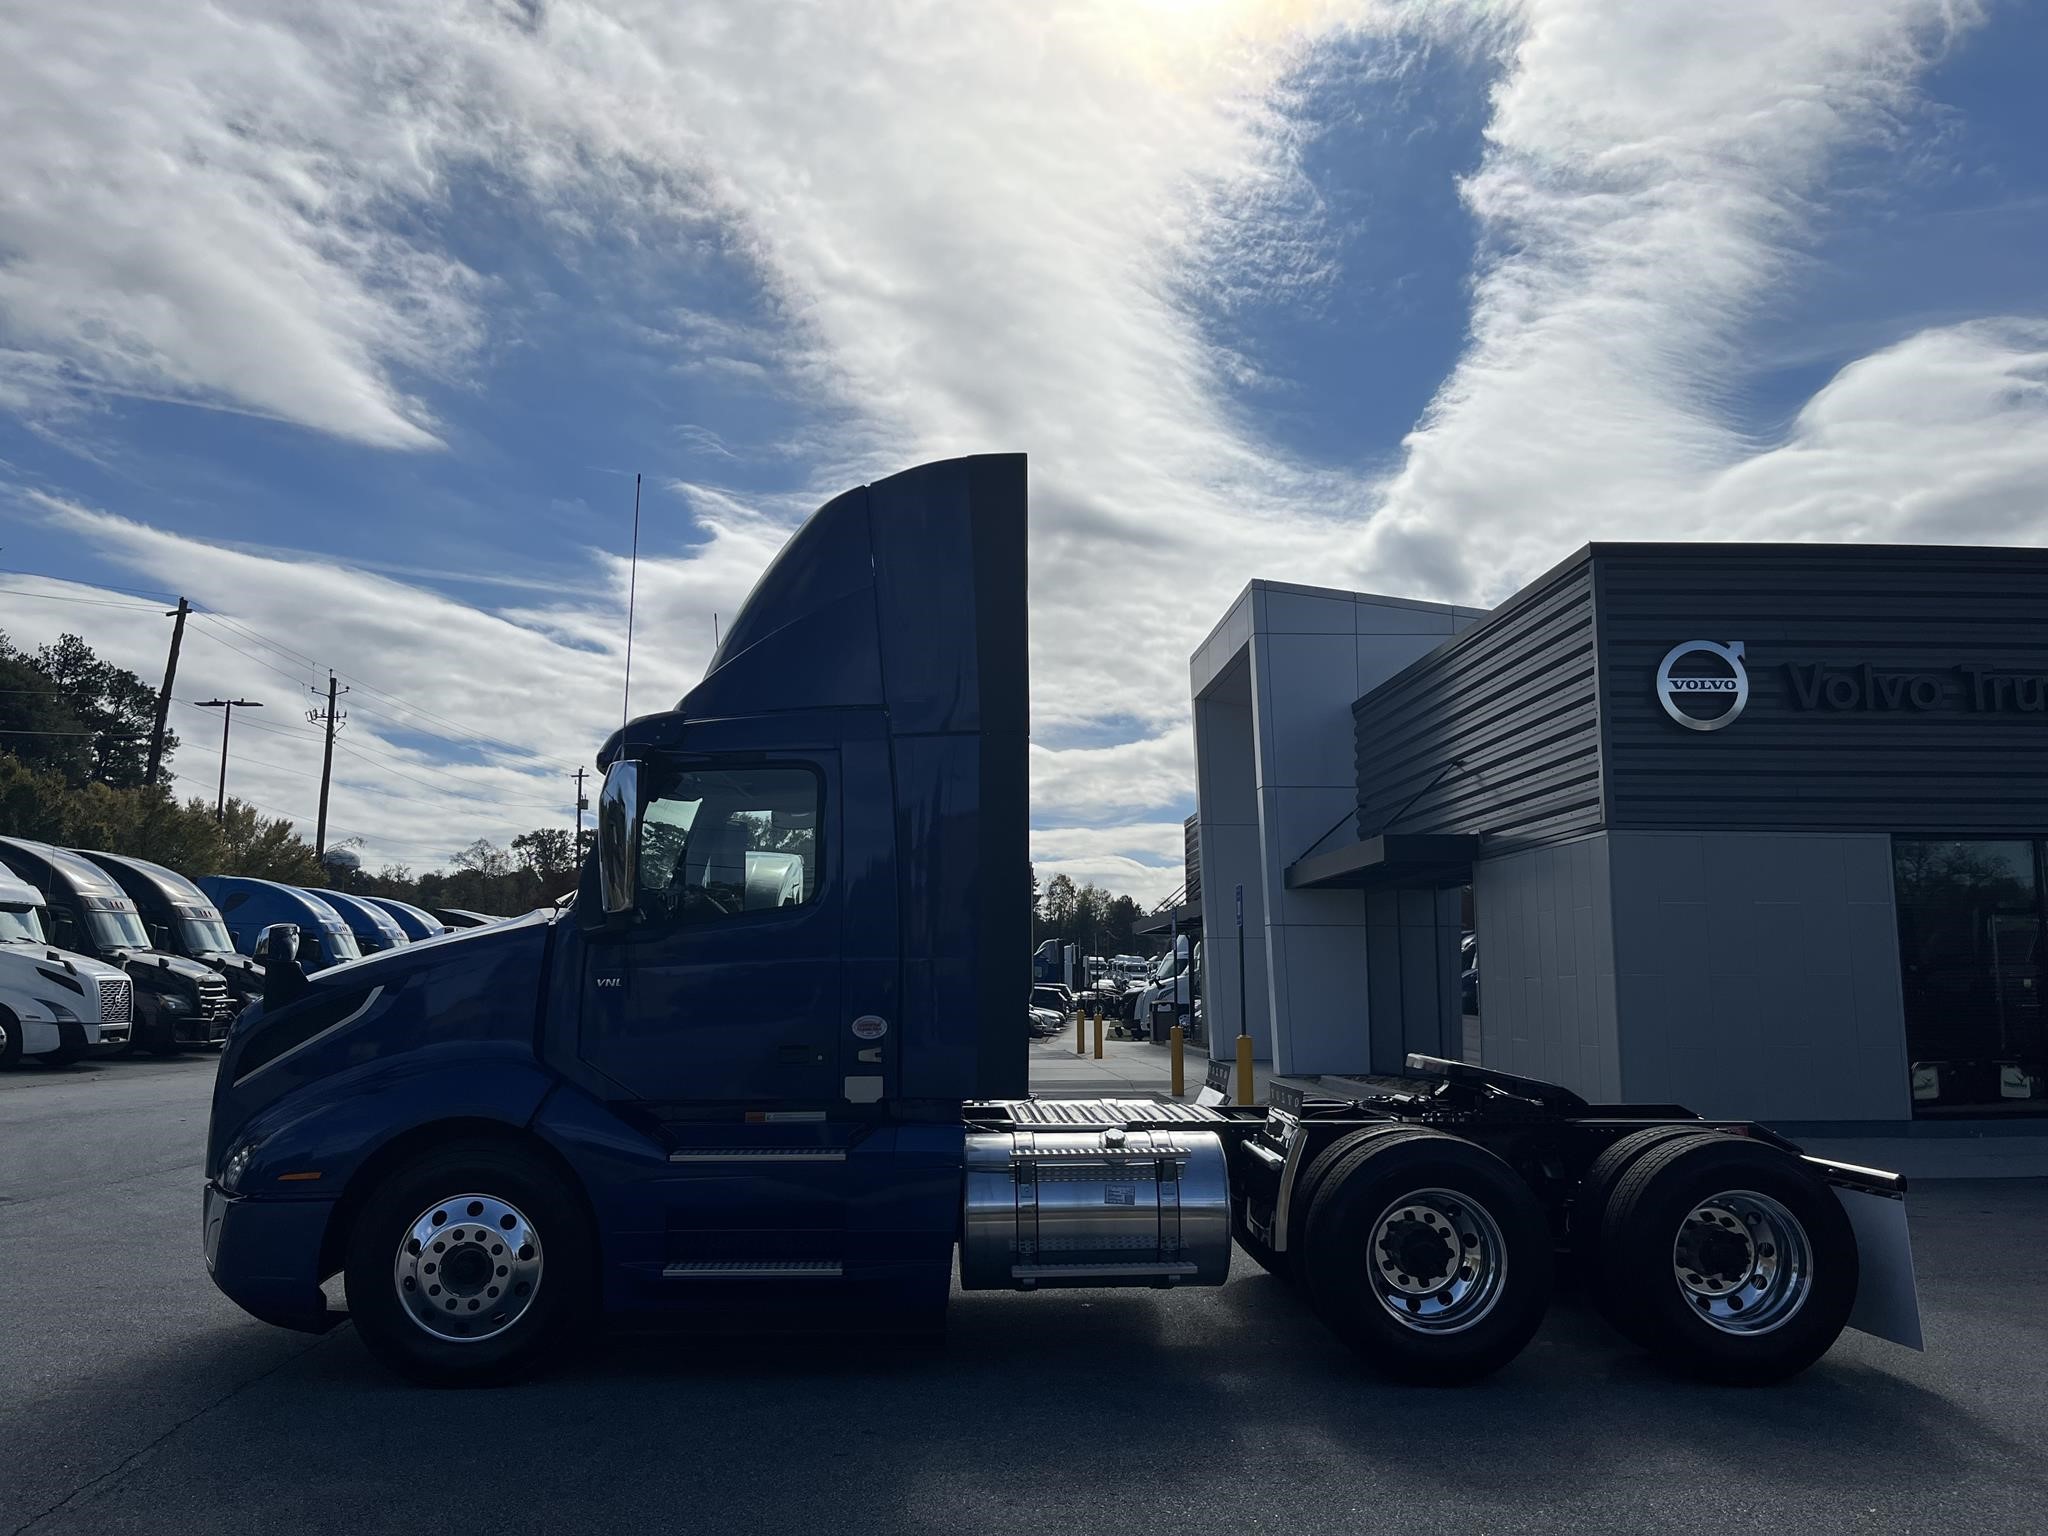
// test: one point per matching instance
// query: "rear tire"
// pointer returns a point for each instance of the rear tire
(527, 1258)
(1596, 1192)
(1429, 1256)
(1727, 1259)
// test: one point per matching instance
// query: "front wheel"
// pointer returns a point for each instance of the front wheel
(10, 1040)
(469, 1265)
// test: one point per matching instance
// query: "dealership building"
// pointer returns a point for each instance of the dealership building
(1758, 829)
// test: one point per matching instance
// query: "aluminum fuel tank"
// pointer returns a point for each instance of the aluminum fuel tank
(1095, 1208)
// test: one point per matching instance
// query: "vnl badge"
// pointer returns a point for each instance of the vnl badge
(1707, 675)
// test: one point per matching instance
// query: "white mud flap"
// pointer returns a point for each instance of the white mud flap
(1887, 1296)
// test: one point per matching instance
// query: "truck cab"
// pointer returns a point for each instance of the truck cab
(54, 1006)
(181, 920)
(375, 929)
(417, 922)
(177, 1001)
(248, 906)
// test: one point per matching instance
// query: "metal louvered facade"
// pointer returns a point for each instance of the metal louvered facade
(1890, 688)
(1497, 730)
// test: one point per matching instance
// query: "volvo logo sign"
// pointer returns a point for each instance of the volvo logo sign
(1702, 684)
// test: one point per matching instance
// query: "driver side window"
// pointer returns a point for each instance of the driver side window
(717, 843)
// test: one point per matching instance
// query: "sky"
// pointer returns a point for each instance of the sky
(353, 321)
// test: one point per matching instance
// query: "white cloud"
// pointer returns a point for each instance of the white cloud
(1003, 232)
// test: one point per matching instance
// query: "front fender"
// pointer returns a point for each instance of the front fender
(331, 1127)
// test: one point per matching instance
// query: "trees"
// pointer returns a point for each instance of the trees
(65, 709)
(147, 822)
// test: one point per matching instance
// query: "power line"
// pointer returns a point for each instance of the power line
(261, 639)
(90, 602)
(472, 788)
(467, 734)
(109, 586)
(255, 636)
(295, 679)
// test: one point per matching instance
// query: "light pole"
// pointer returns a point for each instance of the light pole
(227, 707)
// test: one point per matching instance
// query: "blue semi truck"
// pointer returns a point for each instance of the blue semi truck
(706, 1098)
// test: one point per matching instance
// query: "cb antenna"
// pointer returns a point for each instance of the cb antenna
(632, 592)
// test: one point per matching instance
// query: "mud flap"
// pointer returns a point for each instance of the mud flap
(1887, 1297)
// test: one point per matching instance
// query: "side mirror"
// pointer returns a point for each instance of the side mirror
(618, 838)
(284, 979)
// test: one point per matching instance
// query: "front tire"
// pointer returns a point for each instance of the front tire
(1728, 1260)
(10, 1040)
(469, 1265)
(1429, 1256)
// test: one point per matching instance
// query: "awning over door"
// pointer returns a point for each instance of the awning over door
(1393, 858)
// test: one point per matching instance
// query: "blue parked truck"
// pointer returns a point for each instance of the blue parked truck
(708, 1099)
(250, 906)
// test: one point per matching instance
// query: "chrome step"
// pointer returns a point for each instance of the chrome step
(772, 1269)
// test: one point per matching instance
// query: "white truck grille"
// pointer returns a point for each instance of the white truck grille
(117, 1001)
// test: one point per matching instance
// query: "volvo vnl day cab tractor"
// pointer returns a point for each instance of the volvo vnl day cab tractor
(375, 929)
(249, 906)
(181, 920)
(673, 1104)
(54, 1006)
(176, 1001)
(417, 922)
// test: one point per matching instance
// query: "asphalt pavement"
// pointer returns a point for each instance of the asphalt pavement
(134, 1398)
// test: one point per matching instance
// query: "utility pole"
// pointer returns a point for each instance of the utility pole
(227, 707)
(581, 805)
(163, 699)
(328, 718)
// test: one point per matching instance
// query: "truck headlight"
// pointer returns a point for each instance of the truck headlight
(171, 1003)
(235, 1165)
(62, 1014)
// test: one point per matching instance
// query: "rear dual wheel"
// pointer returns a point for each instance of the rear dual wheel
(1726, 1258)
(1428, 1255)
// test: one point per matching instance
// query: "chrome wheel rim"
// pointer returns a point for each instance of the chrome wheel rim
(1743, 1262)
(1437, 1261)
(468, 1268)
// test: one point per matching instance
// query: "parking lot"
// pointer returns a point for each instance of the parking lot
(133, 1397)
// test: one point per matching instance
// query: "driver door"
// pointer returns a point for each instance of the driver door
(727, 988)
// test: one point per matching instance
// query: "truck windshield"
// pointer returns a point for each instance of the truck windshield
(20, 927)
(205, 936)
(341, 944)
(117, 930)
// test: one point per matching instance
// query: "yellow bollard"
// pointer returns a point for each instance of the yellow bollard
(1098, 1034)
(1244, 1069)
(1180, 1078)
(1080, 1030)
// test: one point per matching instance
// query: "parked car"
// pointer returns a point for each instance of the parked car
(182, 920)
(53, 1006)
(176, 1001)
(1050, 994)
(248, 906)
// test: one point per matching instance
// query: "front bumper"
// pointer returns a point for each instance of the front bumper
(265, 1257)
